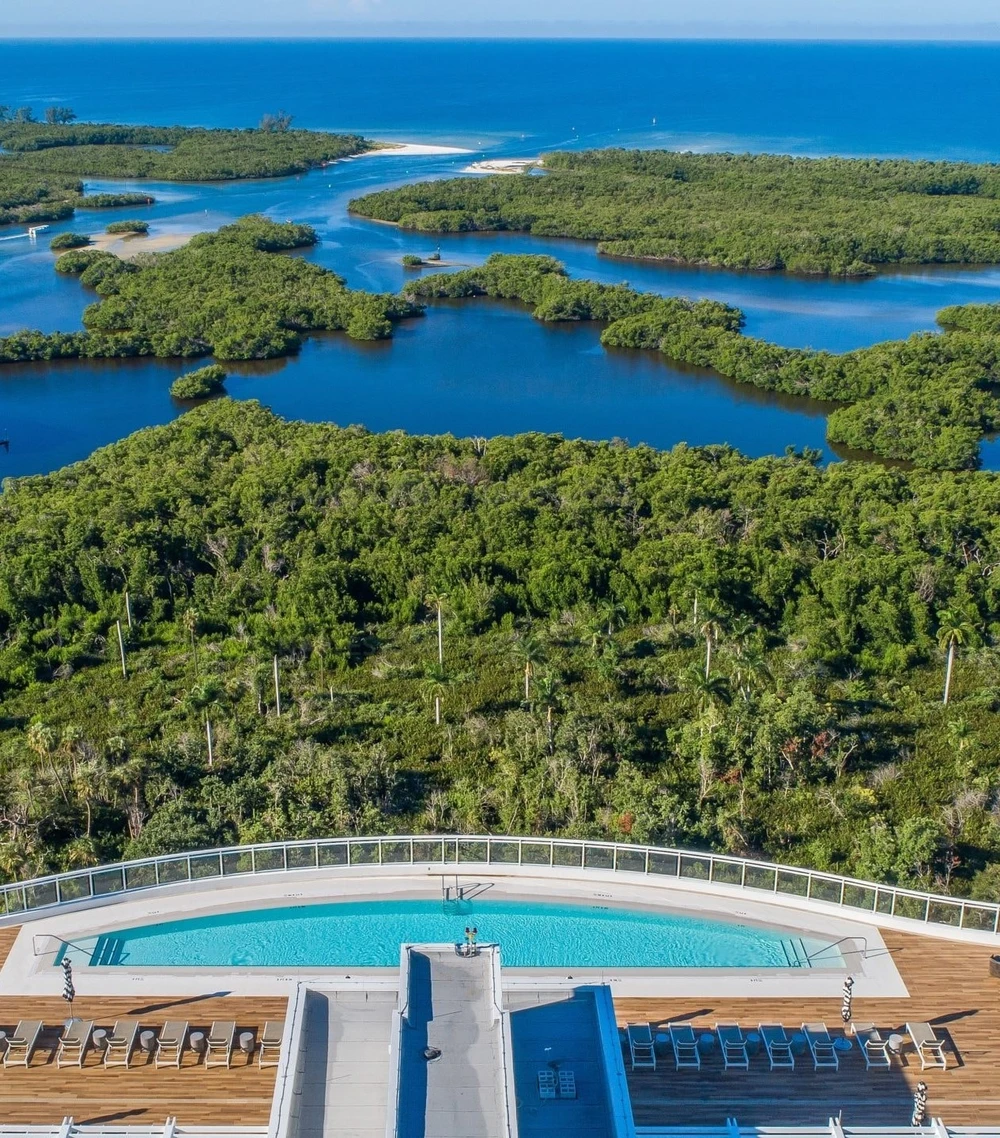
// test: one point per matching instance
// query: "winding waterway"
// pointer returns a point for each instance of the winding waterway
(474, 368)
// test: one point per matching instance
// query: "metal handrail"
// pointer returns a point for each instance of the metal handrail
(751, 876)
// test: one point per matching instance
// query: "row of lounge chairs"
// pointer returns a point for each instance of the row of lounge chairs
(777, 1045)
(121, 1041)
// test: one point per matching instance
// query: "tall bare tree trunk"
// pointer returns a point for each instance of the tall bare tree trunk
(947, 672)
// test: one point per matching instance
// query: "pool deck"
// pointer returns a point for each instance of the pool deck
(142, 1094)
(950, 987)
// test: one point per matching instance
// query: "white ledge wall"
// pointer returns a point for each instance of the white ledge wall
(29, 966)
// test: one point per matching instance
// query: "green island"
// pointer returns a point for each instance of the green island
(199, 384)
(744, 211)
(226, 293)
(43, 167)
(690, 647)
(928, 399)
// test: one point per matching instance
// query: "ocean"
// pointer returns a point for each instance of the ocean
(488, 369)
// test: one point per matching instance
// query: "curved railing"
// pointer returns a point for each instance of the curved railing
(758, 877)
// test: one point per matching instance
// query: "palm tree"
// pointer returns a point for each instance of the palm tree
(530, 651)
(751, 668)
(953, 629)
(438, 601)
(710, 626)
(709, 689)
(547, 686)
(436, 684)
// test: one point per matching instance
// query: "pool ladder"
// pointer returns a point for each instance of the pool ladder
(796, 954)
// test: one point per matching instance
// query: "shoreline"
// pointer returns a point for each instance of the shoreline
(127, 246)
(503, 166)
(408, 150)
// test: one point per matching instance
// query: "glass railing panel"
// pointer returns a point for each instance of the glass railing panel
(536, 853)
(859, 896)
(915, 908)
(884, 900)
(364, 853)
(506, 853)
(980, 918)
(945, 913)
(301, 857)
(140, 876)
(268, 859)
(429, 852)
(237, 861)
(631, 861)
(333, 853)
(598, 857)
(395, 853)
(14, 900)
(791, 882)
(74, 888)
(38, 896)
(473, 851)
(666, 864)
(205, 865)
(176, 869)
(825, 889)
(568, 854)
(759, 877)
(727, 872)
(107, 881)
(699, 868)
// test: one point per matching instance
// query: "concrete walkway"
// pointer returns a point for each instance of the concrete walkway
(450, 1007)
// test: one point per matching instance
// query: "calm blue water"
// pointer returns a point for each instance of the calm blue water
(369, 933)
(487, 369)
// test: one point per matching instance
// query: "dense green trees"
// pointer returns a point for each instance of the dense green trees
(750, 211)
(584, 584)
(40, 175)
(928, 399)
(224, 293)
(199, 384)
(133, 226)
(69, 241)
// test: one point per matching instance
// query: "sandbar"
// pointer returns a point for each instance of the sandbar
(502, 166)
(126, 245)
(402, 149)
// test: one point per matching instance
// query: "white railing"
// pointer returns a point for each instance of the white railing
(933, 1128)
(757, 877)
(169, 1129)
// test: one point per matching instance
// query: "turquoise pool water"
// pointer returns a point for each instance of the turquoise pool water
(369, 933)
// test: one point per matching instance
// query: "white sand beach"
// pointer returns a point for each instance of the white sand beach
(404, 149)
(131, 245)
(502, 166)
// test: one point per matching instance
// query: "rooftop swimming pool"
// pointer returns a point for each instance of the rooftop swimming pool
(531, 935)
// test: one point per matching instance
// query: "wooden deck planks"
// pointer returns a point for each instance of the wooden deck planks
(949, 986)
(142, 1094)
(8, 934)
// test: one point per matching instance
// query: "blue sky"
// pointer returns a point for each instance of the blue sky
(725, 18)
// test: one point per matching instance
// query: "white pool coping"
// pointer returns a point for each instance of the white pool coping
(29, 969)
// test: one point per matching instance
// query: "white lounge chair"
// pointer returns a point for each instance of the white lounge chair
(777, 1045)
(733, 1044)
(824, 1054)
(219, 1045)
(269, 1048)
(74, 1042)
(120, 1044)
(21, 1045)
(874, 1048)
(685, 1044)
(640, 1045)
(929, 1047)
(170, 1043)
